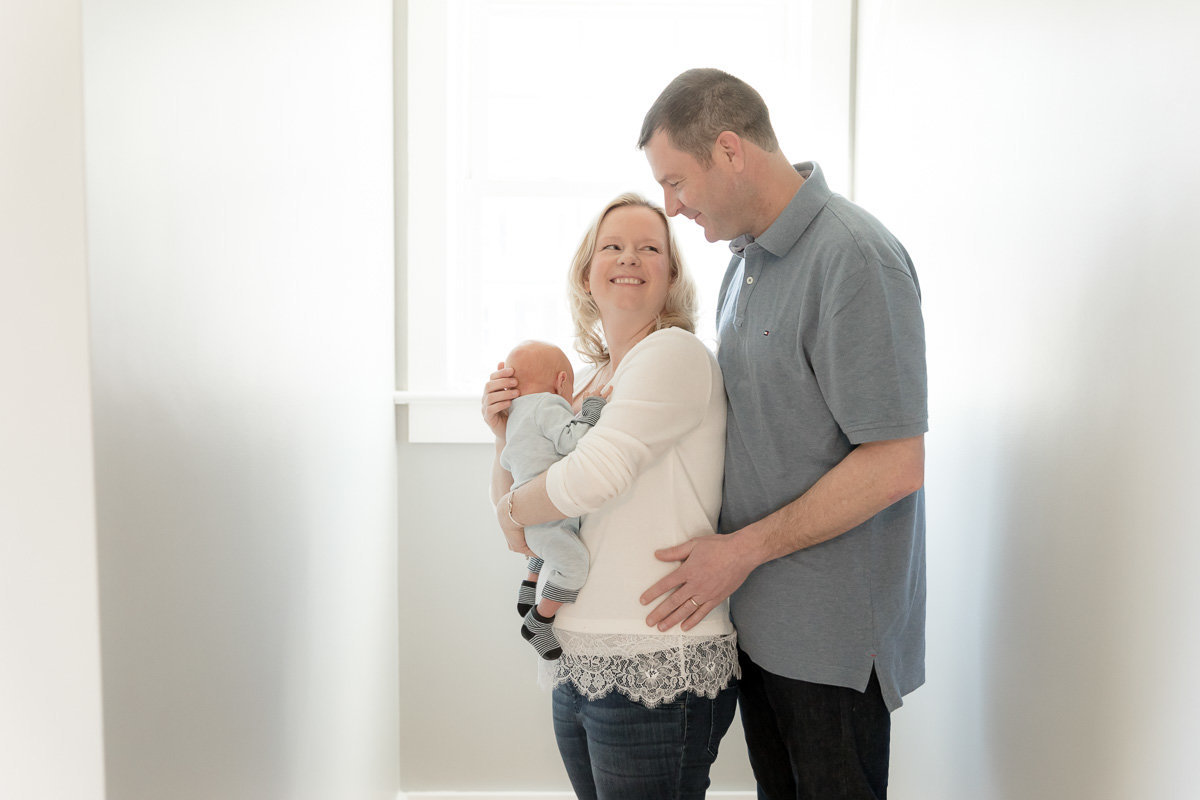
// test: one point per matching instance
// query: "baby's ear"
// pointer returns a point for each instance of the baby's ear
(560, 384)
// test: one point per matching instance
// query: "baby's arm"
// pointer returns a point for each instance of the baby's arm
(566, 430)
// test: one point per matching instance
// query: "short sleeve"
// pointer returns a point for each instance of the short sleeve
(870, 355)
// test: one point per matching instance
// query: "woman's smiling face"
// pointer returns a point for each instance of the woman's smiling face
(630, 271)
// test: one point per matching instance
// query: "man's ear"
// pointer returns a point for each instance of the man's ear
(729, 150)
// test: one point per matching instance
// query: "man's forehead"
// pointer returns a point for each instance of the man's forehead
(664, 157)
(660, 143)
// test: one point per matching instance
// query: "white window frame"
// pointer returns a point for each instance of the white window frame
(435, 28)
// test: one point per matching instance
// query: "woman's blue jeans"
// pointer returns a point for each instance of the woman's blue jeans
(616, 749)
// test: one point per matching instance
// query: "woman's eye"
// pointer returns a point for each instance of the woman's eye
(609, 247)
(652, 248)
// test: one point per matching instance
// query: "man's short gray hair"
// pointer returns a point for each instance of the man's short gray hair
(699, 105)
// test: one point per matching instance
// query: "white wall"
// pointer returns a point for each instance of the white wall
(240, 217)
(1039, 160)
(50, 710)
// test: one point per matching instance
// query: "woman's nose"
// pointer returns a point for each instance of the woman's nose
(628, 257)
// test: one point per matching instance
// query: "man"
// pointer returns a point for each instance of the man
(821, 343)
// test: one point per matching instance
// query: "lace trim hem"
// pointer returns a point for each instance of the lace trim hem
(650, 670)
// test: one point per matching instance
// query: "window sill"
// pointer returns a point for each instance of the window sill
(443, 418)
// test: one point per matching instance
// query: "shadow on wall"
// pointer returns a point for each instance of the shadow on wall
(246, 562)
(1089, 556)
(191, 591)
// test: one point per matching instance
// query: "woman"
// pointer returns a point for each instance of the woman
(638, 712)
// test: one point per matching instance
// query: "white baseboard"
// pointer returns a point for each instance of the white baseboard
(538, 796)
(485, 796)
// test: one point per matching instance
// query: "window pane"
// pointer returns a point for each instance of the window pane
(542, 107)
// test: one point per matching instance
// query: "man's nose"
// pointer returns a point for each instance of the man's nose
(671, 203)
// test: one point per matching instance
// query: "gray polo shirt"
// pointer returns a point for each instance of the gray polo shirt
(822, 346)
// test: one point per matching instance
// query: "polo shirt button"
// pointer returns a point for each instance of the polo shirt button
(750, 279)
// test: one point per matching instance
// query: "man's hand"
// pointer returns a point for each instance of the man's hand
(713, 567)
(498, 394)
(514, 534)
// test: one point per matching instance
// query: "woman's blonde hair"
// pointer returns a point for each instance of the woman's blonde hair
(679, 310)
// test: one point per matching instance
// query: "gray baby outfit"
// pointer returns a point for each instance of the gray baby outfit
(541, 430)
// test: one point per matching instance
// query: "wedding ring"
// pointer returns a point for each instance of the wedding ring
(693, 600)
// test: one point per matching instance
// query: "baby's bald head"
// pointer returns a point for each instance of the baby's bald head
(542, 367)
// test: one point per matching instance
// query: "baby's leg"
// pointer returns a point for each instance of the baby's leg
(538, 630)
(566, 570)
(548, 608)
(566, 565)
(527, 594)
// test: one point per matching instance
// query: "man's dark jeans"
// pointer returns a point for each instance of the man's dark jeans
(810, 741)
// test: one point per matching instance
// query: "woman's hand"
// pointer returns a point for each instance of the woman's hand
(498, 394)
(514, 532)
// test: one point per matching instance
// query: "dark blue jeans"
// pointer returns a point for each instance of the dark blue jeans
(810, 741)
(616, 749)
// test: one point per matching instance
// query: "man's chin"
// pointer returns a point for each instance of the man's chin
(710, 233)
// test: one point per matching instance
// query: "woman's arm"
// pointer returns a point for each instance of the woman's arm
(502, 479)
(529, 504)
(502, 497)
(663, 391)
(536, 506)
(498, 394)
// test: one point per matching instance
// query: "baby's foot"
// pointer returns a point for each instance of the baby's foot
(539, 632)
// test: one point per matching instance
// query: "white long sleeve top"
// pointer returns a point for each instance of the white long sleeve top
(648, 476)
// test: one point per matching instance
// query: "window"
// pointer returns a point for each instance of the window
(523, 121)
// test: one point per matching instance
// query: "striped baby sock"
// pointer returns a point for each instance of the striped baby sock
(539, 632)
(526, 597)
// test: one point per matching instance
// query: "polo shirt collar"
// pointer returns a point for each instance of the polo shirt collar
(795, 218)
